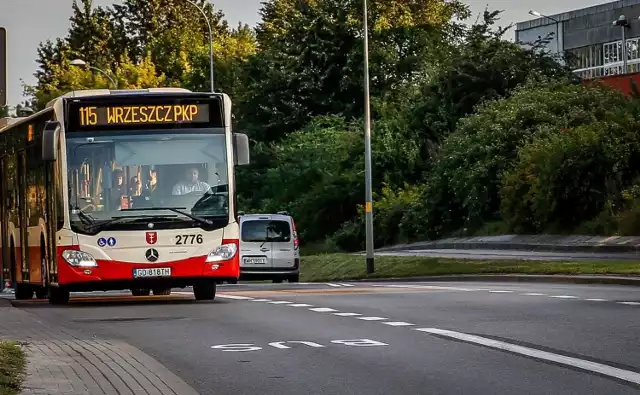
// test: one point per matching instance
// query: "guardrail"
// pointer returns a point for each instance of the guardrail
(609, 69)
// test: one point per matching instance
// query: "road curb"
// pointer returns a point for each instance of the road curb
(617, 280)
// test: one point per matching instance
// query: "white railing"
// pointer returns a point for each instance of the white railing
(614, 68)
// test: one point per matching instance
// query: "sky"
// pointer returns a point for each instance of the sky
(30, 22)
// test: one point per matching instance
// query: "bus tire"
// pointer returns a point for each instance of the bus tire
(205, 290)
(140, 292)
(42, 292)
(24, 291)
(162, 291)
(58, 295)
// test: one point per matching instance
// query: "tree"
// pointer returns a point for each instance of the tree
(143, 43)
(310, 59)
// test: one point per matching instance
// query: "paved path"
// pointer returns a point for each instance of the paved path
(490, 254)
(64, 361)
(374, 338)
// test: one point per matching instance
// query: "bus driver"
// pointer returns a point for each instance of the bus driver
(192, 185)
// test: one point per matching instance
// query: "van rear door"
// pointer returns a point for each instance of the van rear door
(255, 246)
(282, 245)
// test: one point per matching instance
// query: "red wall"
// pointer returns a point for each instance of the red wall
(620, 82)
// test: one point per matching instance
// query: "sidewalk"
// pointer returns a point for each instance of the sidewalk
(549, 243)
(62, 361)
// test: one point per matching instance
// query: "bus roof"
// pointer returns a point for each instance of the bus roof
(105, 92)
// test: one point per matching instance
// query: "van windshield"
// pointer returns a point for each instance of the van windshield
(266, 230)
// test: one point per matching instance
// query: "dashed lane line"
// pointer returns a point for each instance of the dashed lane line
(371, 318)
(300, 305)
(606, 370)
(322, 309)
(398, 323)
(347, 314)
(564, 297)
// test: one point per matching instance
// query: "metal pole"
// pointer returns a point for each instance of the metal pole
(624, 51)
(367, 148)
(115, 84)
(210, 42)
(557, 40)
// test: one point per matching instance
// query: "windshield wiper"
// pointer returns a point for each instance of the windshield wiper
(177, 210)
(84, 216)
(102, 224)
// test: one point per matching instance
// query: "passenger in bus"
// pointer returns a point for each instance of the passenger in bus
(191, 184)
(118, 189)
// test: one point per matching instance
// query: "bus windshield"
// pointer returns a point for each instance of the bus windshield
(121, 180)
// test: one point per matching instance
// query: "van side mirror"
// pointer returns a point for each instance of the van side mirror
(50, 138)
(241, 149)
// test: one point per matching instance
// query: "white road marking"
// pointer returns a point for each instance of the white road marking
(261, 300)
(597, 300)
(606, 370)
(534, 294)
(235, 297)
(300, 305)
(322, 309)
(437, 287)
(500, 292)
(333, 285)
(345, 285)
(563, 296)
(346, 314)
(398, 323)
(280, 302)
(630, 303)
(370, 318)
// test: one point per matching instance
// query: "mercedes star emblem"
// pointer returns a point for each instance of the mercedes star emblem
(152, 254)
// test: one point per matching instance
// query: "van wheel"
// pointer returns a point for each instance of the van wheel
(42, 292)
(294, 279)
(162, 291)
(58, 295)
(205, 290)
(24, 291)
(140, 292)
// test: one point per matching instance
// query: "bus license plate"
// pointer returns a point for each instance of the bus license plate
(152, 272)
(255, 261)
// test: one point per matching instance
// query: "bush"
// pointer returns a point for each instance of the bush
(465, 183)
(564, 179)
(389, 222)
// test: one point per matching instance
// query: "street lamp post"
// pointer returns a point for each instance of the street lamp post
(623, 23)
(82, 63)
(210, 42)
(367, 148)
(536, 13)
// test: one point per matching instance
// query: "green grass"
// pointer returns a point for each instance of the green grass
(331, 267)
(12, 365)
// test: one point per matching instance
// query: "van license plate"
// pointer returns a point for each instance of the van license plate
(152, 272)
(255, 261)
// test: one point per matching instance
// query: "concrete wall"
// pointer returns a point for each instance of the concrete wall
(587, 26)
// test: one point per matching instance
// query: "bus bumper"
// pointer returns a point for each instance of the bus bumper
(113, 275)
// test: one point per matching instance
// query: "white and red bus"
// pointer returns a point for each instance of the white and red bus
(109, 190)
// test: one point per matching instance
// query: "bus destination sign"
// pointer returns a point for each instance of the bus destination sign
(89, 116)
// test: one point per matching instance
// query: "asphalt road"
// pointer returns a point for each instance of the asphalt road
(515, 255)
(373, 338)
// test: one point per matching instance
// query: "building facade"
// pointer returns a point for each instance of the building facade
(598, 41)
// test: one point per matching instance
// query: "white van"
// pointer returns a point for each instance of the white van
(269, 247)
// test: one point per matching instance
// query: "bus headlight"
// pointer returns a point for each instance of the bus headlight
(79, 258)
(223, 253)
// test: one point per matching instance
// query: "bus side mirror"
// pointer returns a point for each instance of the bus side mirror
(50, 136)
(241, 145)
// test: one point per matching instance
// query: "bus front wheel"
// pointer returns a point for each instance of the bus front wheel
(205, 290)
(58, 295)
